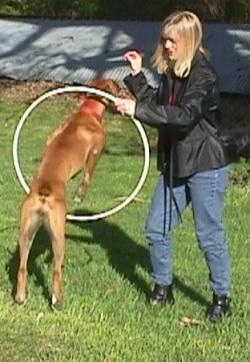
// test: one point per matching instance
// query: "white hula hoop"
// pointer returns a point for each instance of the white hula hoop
(99, 93)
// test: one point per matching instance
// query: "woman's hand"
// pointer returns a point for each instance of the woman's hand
(135, 61)
(125, 106)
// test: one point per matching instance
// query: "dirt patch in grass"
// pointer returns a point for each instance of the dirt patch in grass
(18, 91)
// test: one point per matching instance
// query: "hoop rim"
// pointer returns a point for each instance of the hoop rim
(81, 89)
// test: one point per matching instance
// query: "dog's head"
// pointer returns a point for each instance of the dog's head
(107, 85)
(110, 86)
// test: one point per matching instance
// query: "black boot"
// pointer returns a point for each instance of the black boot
(162, 294)
(219, 308)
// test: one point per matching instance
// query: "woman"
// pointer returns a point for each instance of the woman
(193, 164)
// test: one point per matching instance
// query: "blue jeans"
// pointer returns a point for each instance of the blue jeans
(206, 192)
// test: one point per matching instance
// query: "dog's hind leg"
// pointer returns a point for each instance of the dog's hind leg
(29, 226)
(57, 222)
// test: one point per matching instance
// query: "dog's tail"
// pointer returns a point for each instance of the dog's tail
(44, 191)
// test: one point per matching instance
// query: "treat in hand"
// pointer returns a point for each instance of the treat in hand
(134, 57)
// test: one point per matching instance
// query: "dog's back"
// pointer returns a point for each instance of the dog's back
(68, 151)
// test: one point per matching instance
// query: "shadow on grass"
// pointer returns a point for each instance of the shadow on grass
(41, 245)
(125, 255)
(190, 292)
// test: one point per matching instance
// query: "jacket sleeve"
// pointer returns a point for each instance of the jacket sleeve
(200, 97)
(139, 87)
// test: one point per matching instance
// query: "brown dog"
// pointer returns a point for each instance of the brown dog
(75, 145)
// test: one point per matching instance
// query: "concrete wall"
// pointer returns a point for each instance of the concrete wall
(76, 51)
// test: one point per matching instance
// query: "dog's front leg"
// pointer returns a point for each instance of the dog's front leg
(91, 164)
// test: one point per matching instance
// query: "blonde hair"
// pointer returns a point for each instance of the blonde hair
(187, 26)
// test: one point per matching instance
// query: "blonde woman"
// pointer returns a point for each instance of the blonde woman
(193, 166)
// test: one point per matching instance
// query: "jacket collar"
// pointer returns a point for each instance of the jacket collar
(177, 85)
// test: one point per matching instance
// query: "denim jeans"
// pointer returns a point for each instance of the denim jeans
(206, 192)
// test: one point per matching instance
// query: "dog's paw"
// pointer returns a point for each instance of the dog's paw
(77, 199)
(20, 299)
(56, 304)
(79, 195)
(80, 192)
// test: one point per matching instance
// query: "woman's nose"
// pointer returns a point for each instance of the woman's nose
(167, 43)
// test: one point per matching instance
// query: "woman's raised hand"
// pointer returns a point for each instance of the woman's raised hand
(135, 61)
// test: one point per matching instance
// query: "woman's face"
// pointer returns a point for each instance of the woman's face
(171, 44)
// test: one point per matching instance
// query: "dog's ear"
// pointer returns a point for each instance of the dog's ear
(111, 86)
(125, 93)
(108, 85)
(96, 83)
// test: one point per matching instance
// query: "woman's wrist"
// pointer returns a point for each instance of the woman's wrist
(135, 72)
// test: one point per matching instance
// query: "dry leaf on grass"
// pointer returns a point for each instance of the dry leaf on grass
(187, 322)
(39, 316)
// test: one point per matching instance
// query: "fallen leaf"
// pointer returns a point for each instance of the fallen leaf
(40, 316)
(186, 322)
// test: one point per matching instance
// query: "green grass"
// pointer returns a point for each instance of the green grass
(107, 270)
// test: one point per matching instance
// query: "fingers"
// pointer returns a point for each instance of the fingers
(133, 54)
(134, 58)
(125, 106)
(120, 105)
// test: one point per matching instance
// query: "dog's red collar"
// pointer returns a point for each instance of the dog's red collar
(93, 107)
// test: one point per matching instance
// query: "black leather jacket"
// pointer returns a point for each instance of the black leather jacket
(188, 128)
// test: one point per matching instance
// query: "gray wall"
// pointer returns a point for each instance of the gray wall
(77, 51)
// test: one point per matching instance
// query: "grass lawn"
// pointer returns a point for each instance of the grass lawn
(107, 271)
